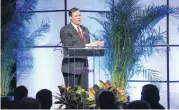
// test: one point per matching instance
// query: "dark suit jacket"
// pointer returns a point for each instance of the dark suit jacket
(70, 38)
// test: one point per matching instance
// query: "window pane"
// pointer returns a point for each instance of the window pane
(96, 5)
(56, 21)
(136, 88)
(174, 63)
(44, 5)
(161, 25)
(150, 2)
(174, 93)
(173, 30)
(157, 62)
(99, 72)
(173, 25)
(153, 2)
(46, 71)
(174, 3)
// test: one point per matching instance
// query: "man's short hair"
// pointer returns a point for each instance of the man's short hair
(72, 10)
(150, 93)
(45, 98)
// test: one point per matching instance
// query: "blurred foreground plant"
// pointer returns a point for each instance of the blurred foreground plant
(74, 98)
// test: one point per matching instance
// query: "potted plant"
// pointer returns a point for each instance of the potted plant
(129, 36)
(74, 98)
(17, 40)
(120, 94)
(78, 98)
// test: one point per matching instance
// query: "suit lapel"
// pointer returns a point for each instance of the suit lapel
(74, 30)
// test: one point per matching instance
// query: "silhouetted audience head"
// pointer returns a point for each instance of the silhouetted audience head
(29, 103)
(138, 104)
(19, 93)
(97, 94)
(107, 100)
(150, 94)
(45, 98)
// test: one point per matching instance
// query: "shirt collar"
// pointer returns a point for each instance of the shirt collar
(76, 27)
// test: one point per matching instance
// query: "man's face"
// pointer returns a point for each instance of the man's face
(76, 17)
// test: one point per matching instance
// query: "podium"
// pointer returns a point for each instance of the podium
(90, 51)
(74, 53)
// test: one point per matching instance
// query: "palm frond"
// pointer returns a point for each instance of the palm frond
(151, 15)
(152, 75)
(43, 28)
(28, 5)
(24, 60)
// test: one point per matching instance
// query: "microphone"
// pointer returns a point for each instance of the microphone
(57, 45)
(83, 28)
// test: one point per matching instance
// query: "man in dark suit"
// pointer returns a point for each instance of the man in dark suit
(75, 35)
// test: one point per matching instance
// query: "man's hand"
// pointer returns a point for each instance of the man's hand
(99, 43)
(96, 44)
(92, 44)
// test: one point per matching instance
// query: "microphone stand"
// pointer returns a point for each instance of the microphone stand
(57, 45)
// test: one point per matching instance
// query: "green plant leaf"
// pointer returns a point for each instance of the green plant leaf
(62, 89)
(60, 106)
(57, 102)
(96, 87)
(153, 75)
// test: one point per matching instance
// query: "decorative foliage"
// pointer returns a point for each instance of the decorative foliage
(129, 36)
(74, 98)
(120, 94)
(17, 41)
(78, 98)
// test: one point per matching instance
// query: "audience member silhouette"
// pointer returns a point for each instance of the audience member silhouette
(29, 103)
(150, 94)
(107, 100)
(97, 97)
(45, 98)
(5, 103)
(19, 93)
(138, 104)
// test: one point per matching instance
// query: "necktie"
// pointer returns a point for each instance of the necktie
(80, 34)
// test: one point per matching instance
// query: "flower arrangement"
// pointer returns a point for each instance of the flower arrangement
(74, 98)
(120, 94)
(78, 98)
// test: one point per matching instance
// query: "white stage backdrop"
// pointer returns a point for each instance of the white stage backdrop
(46, 72)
